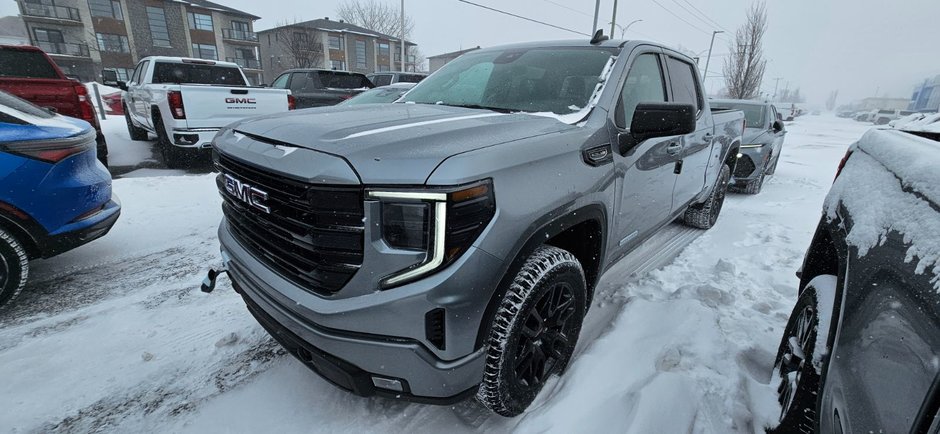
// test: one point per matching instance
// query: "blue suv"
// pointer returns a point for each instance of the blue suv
(54, 194)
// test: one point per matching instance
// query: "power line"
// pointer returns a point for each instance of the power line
(706, 16)
(680, 18)
(569, 8)
(693, 14)
(523, 18)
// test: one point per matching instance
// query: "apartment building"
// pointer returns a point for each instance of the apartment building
(87, 36)
(331, 44)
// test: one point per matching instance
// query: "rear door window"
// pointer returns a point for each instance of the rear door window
(25, 64)
(684, 85)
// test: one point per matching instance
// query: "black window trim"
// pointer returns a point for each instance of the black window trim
(698, 86)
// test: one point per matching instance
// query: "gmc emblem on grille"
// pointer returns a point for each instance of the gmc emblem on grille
(240, 101)
(246, 193)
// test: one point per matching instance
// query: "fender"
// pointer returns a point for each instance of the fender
(535, 235)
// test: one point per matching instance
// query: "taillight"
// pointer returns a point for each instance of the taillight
(291, 102)
(51, 151)
(86, 111)
(175, 99)
(845, 159)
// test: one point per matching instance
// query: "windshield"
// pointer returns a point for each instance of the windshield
(376, 96)
(753, 113)
(184, 73)
(554, 80)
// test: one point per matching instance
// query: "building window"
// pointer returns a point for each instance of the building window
(383, 49)
(112, 43)
(200, 21)
(338, 65)
(336, 42)
(158, 30)
(240, 26)
(361, 54)
(106, 8)
(301, 36)
(48, 35)
(384, 68)
(205, 51)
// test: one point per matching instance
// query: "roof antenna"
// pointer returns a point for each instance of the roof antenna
(598, 37)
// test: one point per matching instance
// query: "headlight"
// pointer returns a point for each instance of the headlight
(442, 222)
(752, 146)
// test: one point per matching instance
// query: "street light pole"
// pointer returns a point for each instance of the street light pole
(624, 31)
(709, 59)
(613, 20)
(402, 35)
(597, 10)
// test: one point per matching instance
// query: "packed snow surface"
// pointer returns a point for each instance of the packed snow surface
(116, 336)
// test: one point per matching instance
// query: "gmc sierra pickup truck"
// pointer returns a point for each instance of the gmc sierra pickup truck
(448, 245)
(184, 102)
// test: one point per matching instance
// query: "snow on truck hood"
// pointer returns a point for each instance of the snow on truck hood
(396, 143)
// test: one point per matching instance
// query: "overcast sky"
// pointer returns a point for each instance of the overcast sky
(855, 46)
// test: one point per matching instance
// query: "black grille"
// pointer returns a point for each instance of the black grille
(313, 235)
(744, 168)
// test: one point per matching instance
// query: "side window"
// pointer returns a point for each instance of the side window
(133, 78)
(382, 80)
(685, 88)
(298, 82)
(281, 82)
(644, 83)
(143, 71)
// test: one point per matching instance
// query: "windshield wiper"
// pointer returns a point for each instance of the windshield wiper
(483, 107)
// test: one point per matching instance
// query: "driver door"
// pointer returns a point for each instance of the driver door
(648, 177)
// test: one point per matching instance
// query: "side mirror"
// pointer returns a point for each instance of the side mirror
(122, 85)
(777, 126)
(660, 119)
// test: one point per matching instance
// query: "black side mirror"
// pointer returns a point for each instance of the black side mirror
(122, 85)
(660, 119)
(777, 126)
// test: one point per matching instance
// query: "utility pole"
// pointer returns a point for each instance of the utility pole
(613, 20)
(707, 61)
(776, 83)
(597, 10)
(402, 35)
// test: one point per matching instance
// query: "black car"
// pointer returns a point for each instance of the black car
(321, 87)
(861, 351)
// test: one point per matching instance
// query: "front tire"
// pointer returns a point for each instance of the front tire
(705, 214)
(535, 330)
(799, 384)
(14, 267)
(136, 133)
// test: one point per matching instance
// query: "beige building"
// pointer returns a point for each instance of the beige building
(330, 44)
(86, 36)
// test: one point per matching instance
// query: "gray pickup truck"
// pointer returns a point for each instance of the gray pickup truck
(761, 146)
(448, 245)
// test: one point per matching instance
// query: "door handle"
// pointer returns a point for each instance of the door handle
(674, 148)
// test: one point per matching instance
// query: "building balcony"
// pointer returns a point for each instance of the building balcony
(60, 14)
(64, 49)
(245, 63)
(239, 35)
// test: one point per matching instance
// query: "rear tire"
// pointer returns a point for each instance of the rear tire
(534, 331)
(14, 267)
(754, 186)
(799, 384)
(136, 133)
(705, 214)
(173, 157)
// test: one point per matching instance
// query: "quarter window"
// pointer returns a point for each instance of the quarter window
(684, 85)
(156, 17)
(112, 43)
(106, 8)
(200, 21)
(644, 83)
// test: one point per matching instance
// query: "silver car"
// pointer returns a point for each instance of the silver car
(763, 142)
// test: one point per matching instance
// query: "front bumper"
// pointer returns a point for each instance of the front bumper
(353, 341)
(751, 163)
(196, 138)
(81, 232)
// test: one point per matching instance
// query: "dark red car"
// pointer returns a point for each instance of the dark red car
(31, 74)
(112, 104)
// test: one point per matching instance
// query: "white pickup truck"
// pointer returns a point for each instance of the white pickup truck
(184, 102)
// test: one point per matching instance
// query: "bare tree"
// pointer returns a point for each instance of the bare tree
(301, 45)
(376, 16)
(744, 68)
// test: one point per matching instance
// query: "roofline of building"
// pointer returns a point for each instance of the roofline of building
(376, 35)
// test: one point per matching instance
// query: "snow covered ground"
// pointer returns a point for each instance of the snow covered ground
(116, 336)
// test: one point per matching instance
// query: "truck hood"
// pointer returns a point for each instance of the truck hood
(395, 143)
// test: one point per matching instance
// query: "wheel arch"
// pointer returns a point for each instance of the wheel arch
(564, 232)
(22, 227)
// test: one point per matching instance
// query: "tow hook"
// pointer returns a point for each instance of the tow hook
(208, 284)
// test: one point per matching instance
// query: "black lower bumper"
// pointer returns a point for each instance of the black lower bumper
(57, 244)
(337, 371)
